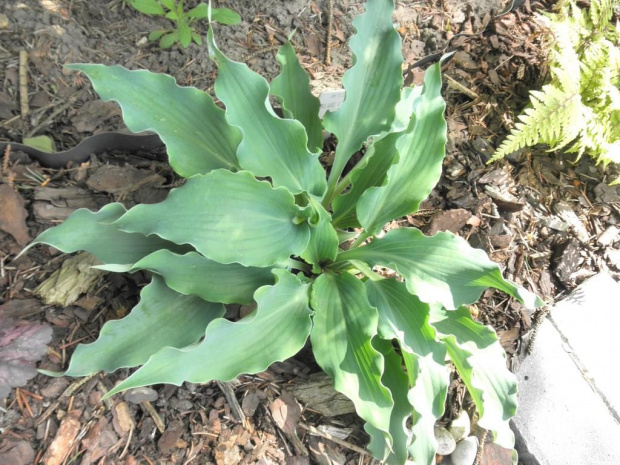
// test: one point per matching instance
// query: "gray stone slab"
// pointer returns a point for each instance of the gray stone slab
(590, 320)
(563, 417)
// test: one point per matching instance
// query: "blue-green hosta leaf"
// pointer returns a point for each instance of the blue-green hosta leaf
(276, 330)
(227, 217)
(397, 382)
(405, 318)
(96, 233)
(371, 172)
(344, 325)
(420, 153)
(442, 268)
(197, 137)
(481, 362)
(372, 85)
(193, 274)
(323, 245)
(292, 88)
(271, 146)
(162, 318)
(377, 160)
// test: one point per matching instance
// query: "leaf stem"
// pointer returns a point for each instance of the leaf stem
(366, 270)
(296, 264)
(361, 238)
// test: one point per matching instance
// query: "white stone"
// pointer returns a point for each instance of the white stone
(445, 442)
(460, 426)
(465, 451)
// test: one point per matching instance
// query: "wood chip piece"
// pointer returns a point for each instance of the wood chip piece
(171, 436)
(609, 236)
(122, 179)
(317, 392)
(75, 277)
(64, 440)
(451, 220)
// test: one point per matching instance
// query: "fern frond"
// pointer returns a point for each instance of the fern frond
(595, 72)
(565, 57)
(601, 12)
(550, 120)
(579, 110)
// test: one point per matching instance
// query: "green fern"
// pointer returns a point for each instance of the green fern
(579, 109)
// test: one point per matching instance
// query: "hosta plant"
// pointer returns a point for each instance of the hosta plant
(258, 221)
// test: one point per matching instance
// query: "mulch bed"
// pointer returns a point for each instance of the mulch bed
(548, 222)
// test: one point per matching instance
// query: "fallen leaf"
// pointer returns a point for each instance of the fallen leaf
(21, 346)
(13, 215)
(286, 412)
(20, 453)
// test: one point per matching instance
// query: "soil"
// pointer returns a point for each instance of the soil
(547, 221)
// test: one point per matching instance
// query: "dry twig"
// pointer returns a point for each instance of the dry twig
(23, 82)
(328, 33)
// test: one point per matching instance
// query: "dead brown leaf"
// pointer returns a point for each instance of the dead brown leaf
(13, 215)
(286, 412)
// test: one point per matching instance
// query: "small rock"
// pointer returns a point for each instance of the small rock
(465, 451)
(460, 426)
(445, 442)
(606, 194)
(4, 21)
(141, 394)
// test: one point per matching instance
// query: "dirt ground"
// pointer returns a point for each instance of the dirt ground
(548, 222)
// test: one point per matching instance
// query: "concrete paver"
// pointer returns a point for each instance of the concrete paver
(568, 403)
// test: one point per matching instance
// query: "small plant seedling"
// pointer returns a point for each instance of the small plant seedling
(258, 221)
(185, 30)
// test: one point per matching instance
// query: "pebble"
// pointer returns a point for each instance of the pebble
(460, 426)
(465, 451)
(141, 394)
(4, 21)
(445, 442)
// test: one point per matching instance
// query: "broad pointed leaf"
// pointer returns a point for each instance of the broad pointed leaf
(397, 382)
(194, 274)
(96, 233)
(379, 156)
(370, 172)
(197, 137)
(276, 330)
(481, 362)
(323, 245)
(421, 151)
(344, 325)
(292, 88)
(227, 217)
(404, 317)
(271, 146)
(442, 268)
(162, 318)
(372, 85)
